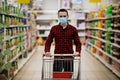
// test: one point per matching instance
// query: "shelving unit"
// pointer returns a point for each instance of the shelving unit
(44, 27)
(80, 24)
(103, 37)
(15, 39)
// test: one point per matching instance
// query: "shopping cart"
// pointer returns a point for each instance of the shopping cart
(66, 69)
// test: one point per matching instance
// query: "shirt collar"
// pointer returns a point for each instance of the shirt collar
(66, 27)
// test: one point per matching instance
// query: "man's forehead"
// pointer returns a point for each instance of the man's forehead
(62, 12)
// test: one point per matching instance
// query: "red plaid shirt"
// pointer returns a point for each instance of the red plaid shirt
(63, 39)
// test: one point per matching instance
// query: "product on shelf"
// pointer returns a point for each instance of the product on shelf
(1, 34)
(105, 35)
(101, 13)
(13, 28)
(116, 9)
(108, 12)
(98, 34)
(108, 47)
(116, 52)
(98, 43)
(116, 66)
(100, 24)
(108, 24)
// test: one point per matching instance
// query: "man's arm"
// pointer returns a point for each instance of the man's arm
(77, 42)
(49, 41)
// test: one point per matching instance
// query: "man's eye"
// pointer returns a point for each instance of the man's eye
(62, 16)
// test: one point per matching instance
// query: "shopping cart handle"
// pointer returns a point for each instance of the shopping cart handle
(62, 55)
(47, 55)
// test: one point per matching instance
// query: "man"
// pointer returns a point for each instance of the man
(64, 35)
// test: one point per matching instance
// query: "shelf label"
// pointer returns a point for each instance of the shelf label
(95, 1)
(23, 1)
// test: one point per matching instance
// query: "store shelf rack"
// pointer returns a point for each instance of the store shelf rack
(103, 37)
(100, 58)
(106, 18)
(16, 36)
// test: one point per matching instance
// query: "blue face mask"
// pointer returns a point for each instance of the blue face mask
(63, 20)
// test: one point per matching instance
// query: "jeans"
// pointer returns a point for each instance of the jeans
(63, 64)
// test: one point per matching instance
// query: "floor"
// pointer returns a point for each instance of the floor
(91, 68)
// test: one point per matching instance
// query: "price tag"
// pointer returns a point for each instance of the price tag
(94, 1)
(23, 1)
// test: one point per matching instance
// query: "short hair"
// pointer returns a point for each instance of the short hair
(62, 10)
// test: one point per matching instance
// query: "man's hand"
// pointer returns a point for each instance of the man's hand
(77, 54)
(47, 54)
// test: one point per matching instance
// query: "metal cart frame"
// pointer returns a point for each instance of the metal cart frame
(48, 72)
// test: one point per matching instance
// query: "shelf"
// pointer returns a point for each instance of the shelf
(24, 30)
(105, 53)
(99, 58)
(43, 35)
(96, 19)
(44, 11)
(14, 15)
(80, 28)
(82, 19)
(15, 57)
(81, 36)
(97, 38)
(23, 61)
(97, 28)
(116, 39)
(118, 31)
(116, 72)
(104, 41)
(43, 29)
(12, 26)
(105, 63)
(14, 36)
(14, 47)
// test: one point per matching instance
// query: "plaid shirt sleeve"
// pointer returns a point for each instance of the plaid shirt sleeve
(77, 41)
(49, 41)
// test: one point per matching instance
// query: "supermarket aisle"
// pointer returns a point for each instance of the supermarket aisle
(91, 68)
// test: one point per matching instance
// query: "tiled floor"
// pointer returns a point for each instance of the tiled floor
(91, 68)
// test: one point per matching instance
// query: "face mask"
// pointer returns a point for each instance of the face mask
(63, 20)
